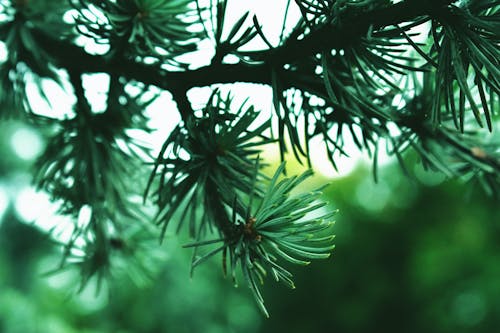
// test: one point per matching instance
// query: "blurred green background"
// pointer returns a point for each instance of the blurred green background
(411, 256)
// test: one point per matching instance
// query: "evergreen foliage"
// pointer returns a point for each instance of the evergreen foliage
(347, 69)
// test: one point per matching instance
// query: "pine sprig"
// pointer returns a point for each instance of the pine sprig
(109, 253)
(467, 156)
(90, 158)
(92, 165)
(356, 84)
(143, 28)
(278, 229)
(237, 37)
(27, 61)
(466, 45)
(80, 166)
(363, 77)
(220, 146)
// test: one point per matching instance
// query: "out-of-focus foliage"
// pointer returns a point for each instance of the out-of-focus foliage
(405, 260)
(31, 301)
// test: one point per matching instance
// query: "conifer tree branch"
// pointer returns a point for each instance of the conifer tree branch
(353, 25)
(324, 38)
(83, 104)
(179, 95)
(65, 52)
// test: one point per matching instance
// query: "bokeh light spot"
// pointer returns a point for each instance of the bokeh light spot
(469, 308)
(373, 196)
(26, 143)
(3, 52)
(30, 204)
(4, 203)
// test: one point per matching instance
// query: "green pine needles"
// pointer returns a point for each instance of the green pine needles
(281, 226)
(219, 146)
(414, 78)
(469, 58)
(146, 28)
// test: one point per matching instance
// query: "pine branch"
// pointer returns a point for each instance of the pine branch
(325, 38)
(354, 24)
(183, 105)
